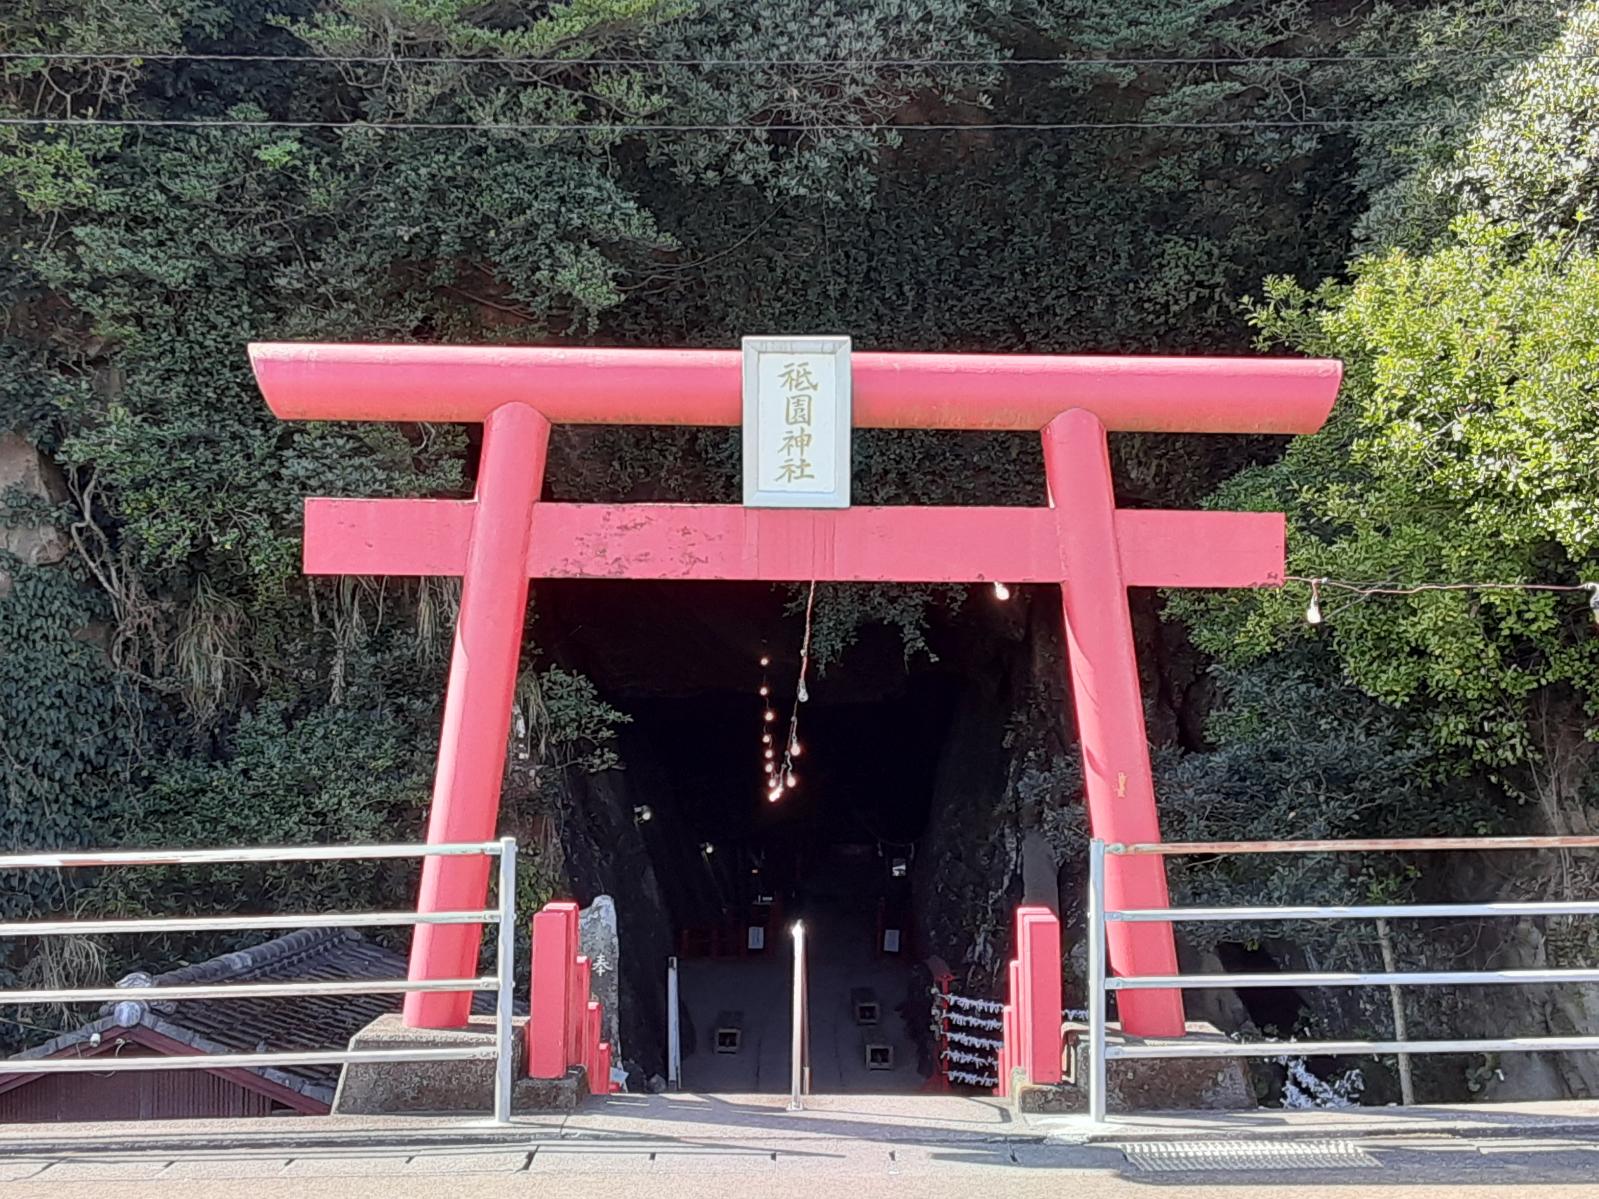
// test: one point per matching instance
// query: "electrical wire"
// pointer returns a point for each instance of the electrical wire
(1417, 588)
(1440, 55)
(1315, 616)
(728, 127)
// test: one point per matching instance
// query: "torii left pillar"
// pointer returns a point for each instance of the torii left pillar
(477, 706)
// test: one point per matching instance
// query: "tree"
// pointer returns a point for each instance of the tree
(1463, 449)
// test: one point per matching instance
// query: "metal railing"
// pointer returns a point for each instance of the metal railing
(800, 1028)
(502, 917)
(674, 1029)
(1100, 983)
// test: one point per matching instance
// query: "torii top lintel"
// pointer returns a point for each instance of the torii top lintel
(578, 385)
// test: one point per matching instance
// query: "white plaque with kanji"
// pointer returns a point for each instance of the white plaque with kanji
(796, 422)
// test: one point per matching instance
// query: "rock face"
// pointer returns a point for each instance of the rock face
(29, 472)
(606, 856)
(598, 941)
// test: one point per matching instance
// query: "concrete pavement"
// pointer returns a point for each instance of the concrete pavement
(730, 1147)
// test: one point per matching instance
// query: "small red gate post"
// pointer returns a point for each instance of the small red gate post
(592, 1023)
(1110, 709)
(577, 1014)
(1038, 1005)
(551, 982)
(477, 705)
(1010, 1054)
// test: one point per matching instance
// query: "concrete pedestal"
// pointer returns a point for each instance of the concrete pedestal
(393, 1088)
(1164, 1084)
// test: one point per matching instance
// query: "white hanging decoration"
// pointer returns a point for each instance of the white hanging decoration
(970, 1079)
(970, 1021)
(981, 1005)
(961, 1057)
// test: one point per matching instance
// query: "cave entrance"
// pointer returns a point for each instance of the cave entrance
(733, 868)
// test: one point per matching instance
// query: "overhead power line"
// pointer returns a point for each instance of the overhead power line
(1439, 55)
(730, 127)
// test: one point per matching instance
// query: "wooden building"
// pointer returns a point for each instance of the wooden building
(144, 1025)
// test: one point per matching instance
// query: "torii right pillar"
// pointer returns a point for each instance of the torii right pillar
(1110, 710)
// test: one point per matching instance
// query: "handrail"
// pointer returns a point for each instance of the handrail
(206, 924)
(1354, 845)
(502, 916)
(223, 857)
(1370, 911)
(1407, 978)
(1100, 983)
(159, 994)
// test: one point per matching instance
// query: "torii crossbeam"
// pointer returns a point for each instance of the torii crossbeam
(504, 536)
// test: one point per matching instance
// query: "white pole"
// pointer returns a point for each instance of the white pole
(505, 970)
(674, 1029)
(796, 1102)
(1096, 981)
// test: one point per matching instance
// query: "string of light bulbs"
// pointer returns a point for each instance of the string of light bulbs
(780, 774)
(1314, 615)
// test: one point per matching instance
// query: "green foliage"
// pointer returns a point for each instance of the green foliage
(1464, 448)
(66, 722)
(1528, 156)
(337, 775)
(570, 724)
(1298, 756)
(842, 609)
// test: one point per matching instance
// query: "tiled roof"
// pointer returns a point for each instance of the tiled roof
(311, 1022)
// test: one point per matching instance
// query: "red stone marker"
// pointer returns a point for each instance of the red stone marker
(504, 536)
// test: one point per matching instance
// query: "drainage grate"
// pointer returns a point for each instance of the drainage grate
(1169, 1156)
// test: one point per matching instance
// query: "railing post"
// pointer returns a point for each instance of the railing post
(1097, 1081)
(674, 1029)
(505, 974)
(796, 1084)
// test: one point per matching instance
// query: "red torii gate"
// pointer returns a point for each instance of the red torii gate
(506, 535)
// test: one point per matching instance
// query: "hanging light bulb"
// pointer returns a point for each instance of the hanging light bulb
(802, 694)
(707, 848)
(765, 690)
(775, 794)
(1001, 592)
(794, 748)
(770, 715)
(769, 754)
(765, 661)
(766, 738)
(1313, 612)
(791, 781)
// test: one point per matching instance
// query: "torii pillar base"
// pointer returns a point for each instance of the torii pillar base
(1173, 1084)
(447, 1087)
